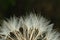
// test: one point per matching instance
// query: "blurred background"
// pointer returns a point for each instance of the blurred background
(50, 9)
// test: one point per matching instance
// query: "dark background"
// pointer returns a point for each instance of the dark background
(50, 9)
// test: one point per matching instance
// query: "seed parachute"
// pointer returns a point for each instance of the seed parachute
(31, 27)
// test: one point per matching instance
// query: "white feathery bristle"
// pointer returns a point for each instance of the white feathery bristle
(31, 27)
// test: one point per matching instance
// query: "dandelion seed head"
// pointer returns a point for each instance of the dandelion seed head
(31, 27)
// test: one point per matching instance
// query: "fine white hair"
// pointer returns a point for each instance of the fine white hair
(32, 27)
